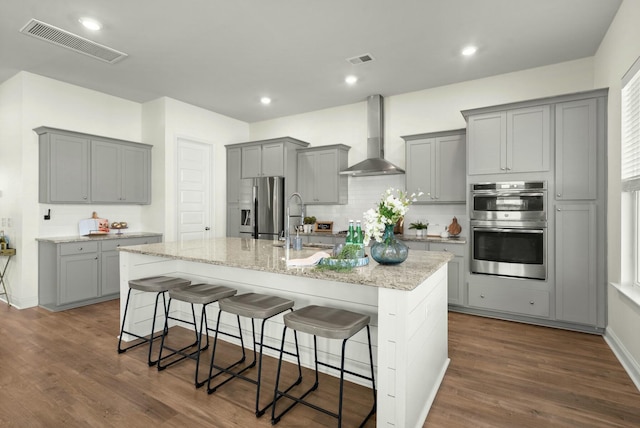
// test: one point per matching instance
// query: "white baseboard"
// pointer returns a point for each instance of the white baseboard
(631, 366)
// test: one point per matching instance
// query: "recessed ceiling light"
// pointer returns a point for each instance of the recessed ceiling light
(265, 100)
(469, 50)
(351, 80)
(90, 24)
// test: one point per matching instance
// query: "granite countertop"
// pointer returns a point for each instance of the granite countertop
(267, 256)
(429, 238)
(78, 238)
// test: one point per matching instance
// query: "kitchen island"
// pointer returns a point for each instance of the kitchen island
(407, 304)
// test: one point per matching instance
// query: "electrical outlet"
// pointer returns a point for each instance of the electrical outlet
(9, 222)
(4, 222)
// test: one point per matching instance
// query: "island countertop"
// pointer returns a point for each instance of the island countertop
(268, 256)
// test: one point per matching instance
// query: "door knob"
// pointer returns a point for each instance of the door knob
(207, 228)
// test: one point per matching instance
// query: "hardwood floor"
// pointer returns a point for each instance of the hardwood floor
(62, 369)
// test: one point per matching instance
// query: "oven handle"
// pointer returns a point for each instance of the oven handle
(476, 193)
(511, 229)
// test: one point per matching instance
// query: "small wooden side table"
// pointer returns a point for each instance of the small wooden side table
(8, 253)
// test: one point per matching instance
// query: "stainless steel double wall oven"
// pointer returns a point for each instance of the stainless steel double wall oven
(509, 229)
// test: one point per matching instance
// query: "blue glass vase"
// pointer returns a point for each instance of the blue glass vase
(389, 251)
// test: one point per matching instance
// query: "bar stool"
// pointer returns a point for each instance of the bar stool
(154, 284)
(254, 306)
(201, 294)
(329, 323)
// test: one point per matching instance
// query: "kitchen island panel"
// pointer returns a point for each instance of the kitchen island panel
(407, 305)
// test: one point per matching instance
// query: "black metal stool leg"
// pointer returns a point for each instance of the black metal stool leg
(221, 370)
(181, 351)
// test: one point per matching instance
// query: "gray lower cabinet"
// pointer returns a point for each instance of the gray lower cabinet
(73, 274)
(83, 168)
(78, 272)
(436, 166)
(507, 296)
(456, 270)
(576, 263)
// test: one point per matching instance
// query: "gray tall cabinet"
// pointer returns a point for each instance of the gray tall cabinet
(276, 157)
(562, 141)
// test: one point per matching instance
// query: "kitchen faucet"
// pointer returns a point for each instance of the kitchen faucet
(287, 230)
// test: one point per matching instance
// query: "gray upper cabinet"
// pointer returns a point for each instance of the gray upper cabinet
(436, 166)
(120, 173)
(319, 181)
(64, 169)
(263, 160)
(82, 168)
(511, 141)
(576, 144)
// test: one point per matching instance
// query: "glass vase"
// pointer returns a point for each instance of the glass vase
(389, 251)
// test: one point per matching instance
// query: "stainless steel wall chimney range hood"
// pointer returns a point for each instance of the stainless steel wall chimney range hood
(375, 164)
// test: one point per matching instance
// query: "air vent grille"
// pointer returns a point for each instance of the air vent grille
(360, 59)
(60, 37)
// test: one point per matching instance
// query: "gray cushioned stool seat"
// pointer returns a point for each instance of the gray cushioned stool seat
(326, 322)
(158, 284)
(202, 293)
(253, 305)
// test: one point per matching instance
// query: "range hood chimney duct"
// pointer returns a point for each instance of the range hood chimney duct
(375, 164)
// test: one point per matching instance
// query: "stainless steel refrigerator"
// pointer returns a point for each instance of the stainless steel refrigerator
(263, 216)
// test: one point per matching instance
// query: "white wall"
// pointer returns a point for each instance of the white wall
(187, 121)
(618, 51)
(28, 101)
(39, 101)
(429, 110)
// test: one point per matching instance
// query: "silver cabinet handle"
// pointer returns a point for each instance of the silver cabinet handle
(79, 248)
(482, 296)
(531, 302)
(558, 209)
(558, 194)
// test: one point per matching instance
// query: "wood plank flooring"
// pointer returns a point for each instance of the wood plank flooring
(62, 369)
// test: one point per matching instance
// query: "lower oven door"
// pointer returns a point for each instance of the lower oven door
(515, 249)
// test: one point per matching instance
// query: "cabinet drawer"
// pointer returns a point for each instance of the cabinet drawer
(509, 298)
(457, 249)
(113, 244)
(78, 248)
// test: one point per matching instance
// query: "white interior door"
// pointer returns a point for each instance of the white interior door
(194, 204)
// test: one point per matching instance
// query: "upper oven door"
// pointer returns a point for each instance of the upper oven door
(508, 205)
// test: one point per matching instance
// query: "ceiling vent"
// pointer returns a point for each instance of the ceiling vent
(360, 59)
(60, 37)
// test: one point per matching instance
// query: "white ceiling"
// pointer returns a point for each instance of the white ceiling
(223, 55)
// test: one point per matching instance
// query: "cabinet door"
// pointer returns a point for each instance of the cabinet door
(528, 137)
(78, 278)
(487, 138)
(455, 270)
(306, 176)
(576, 263)
(110, 266)
(105, 172)
(273, 160)
(233, 221)
(450, 167)
(136, 175)
(576, 141)
(69, 169)
(234, 163)
(326, 176)
(251, 161)
(420, 175)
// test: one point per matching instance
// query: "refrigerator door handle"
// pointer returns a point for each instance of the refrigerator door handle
(254, 214)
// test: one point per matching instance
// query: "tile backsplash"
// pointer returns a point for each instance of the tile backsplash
(366, 192)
